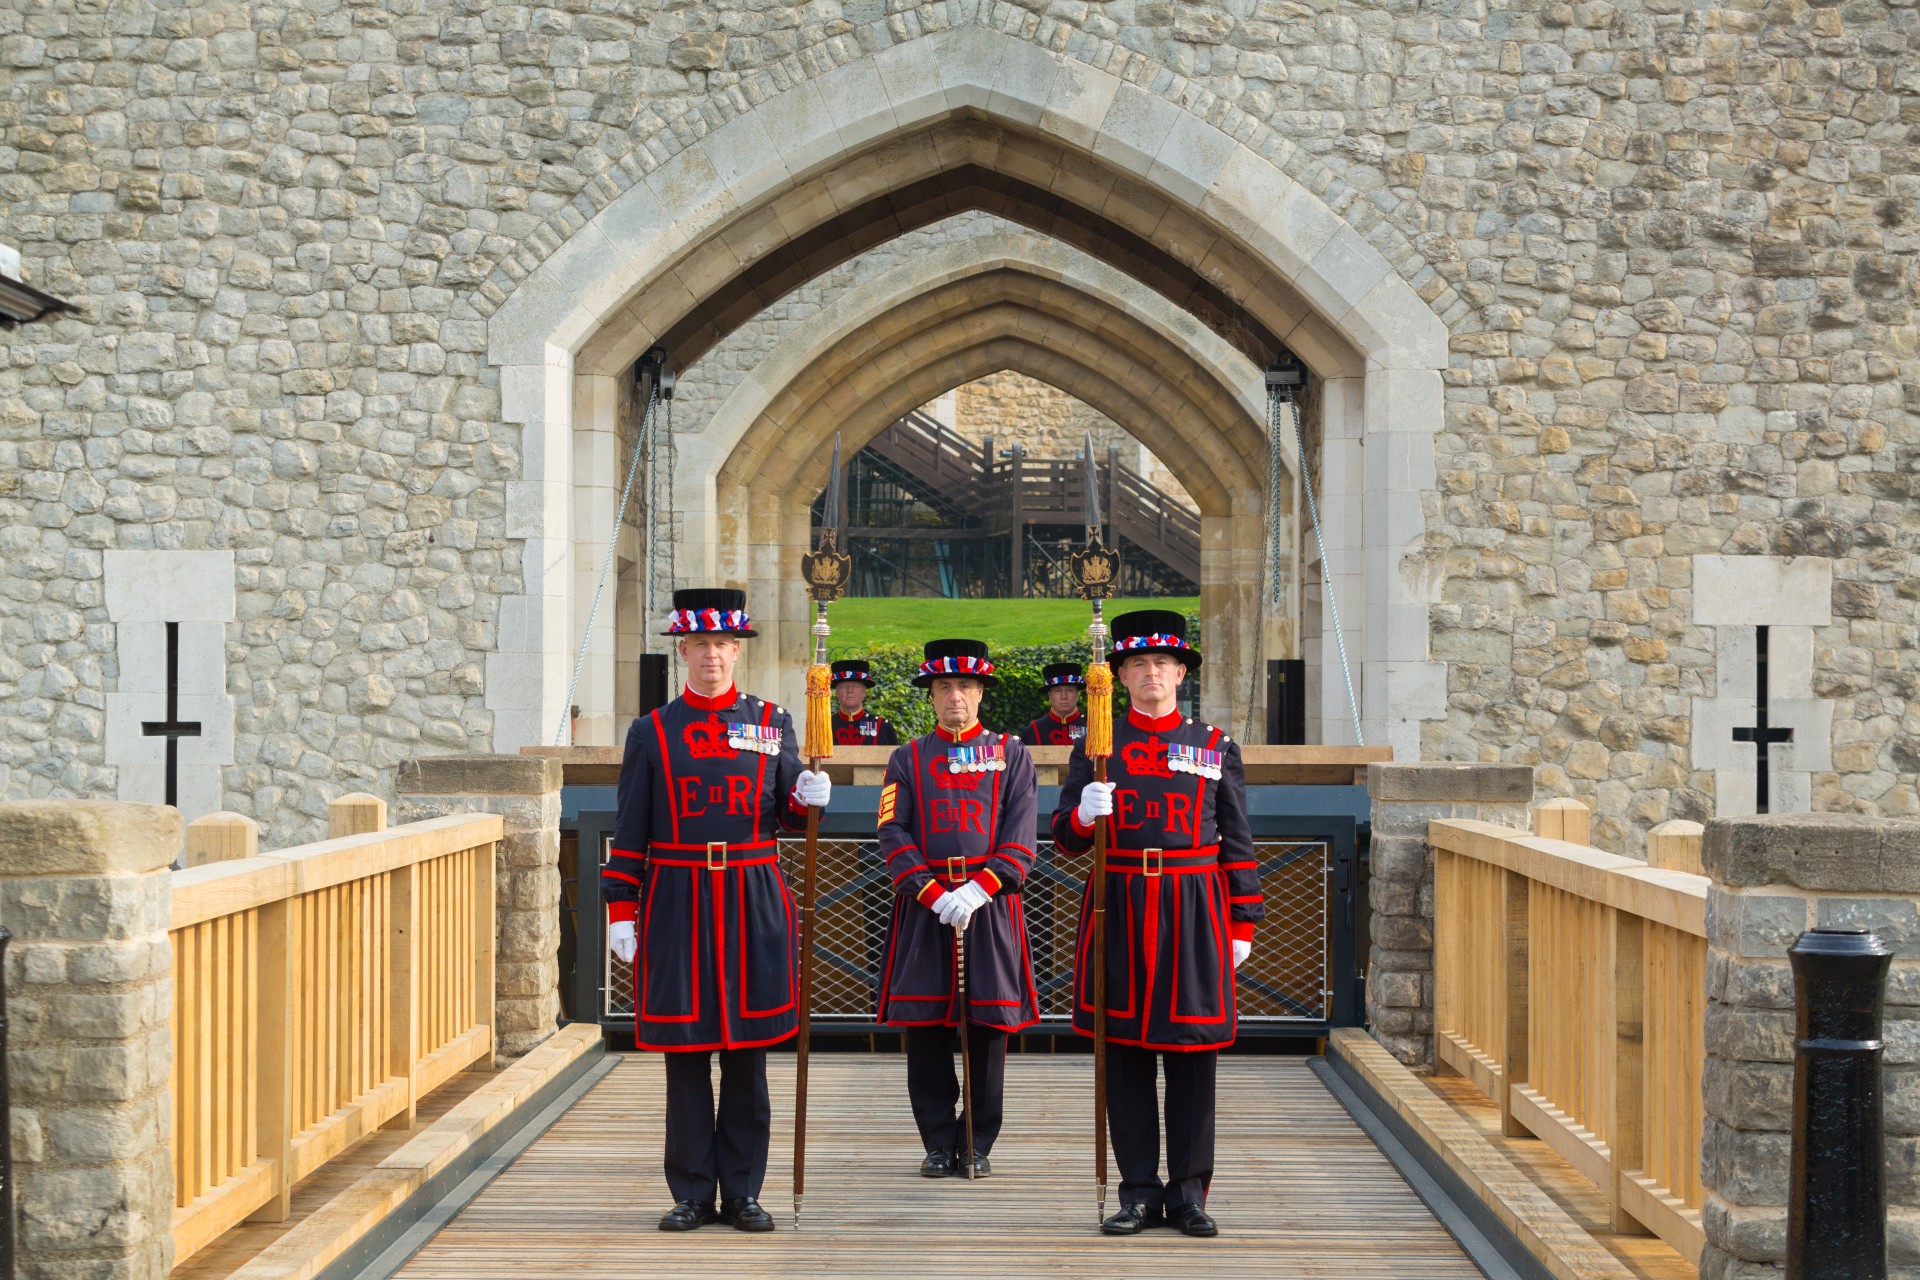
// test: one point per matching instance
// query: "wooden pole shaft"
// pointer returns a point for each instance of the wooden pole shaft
(809, 870)
(966, 1050)
(1098, 955)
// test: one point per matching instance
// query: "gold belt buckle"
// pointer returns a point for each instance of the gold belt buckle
(957, 868)
(1153, 861)
(720, 847)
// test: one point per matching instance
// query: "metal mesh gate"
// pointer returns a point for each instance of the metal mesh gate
(1285, 981)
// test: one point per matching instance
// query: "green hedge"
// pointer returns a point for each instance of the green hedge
(1019, 697)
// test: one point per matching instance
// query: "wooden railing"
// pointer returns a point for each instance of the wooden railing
(1570, 987)
(319, 993)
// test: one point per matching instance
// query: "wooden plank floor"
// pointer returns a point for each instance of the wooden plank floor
(1301, 1191)
(239, 1246)
(1644, 1255)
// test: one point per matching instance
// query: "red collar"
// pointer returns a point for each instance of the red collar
(964, 735)
(1055, 715)
(851, 719)
(1168, 721)
(719, 702)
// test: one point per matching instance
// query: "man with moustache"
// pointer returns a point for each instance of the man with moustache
(694, 891)
(1183, 896)
(957, 814)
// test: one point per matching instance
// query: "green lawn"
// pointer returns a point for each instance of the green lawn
(863, 621)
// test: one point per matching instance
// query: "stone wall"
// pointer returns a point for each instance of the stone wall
(1672, 243)
(1406, 797)
(1773, 878)
(85, 890)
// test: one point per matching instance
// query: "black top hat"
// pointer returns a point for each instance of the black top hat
(857, 670)
(1152, 631)
(709, 611)
(1062, 673)
(956, 658)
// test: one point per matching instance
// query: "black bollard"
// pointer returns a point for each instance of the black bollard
(6, 1124)
(1837, 1202)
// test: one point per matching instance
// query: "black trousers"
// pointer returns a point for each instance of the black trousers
(724, 1149)
(1134, 1121)
(933, 1085)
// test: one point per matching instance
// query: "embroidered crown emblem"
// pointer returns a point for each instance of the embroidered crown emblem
(1146, 759)
(707, 740)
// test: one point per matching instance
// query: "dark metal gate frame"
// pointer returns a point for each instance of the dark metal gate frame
(1301, 832)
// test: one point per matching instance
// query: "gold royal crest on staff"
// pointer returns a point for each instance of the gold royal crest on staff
(1096, 571)
(826, 568)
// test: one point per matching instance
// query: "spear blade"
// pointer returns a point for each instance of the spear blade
(1092, 481)
(830, 517)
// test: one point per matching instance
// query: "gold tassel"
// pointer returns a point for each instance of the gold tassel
(819, 713)
(1099, 709)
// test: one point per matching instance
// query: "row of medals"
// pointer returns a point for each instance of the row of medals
(976, 759)
(751, 737)
(1194, 760)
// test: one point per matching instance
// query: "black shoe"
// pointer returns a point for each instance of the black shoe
(942, 1162)
(688, 1215)
(1132, 1220)
(745, 1214)
(1193, 1221)
(982, 1167)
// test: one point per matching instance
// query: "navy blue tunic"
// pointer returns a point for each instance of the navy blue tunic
(1181, 884)
(863, 730)
(939, 829)
(695, 862)
(1051, 731)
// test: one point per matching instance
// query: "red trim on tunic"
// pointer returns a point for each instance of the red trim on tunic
(1139, 720)
(620, 911)
(718, 702)
(666, 767)
(964, 735)
(1242, 930)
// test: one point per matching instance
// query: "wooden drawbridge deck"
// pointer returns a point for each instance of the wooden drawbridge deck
(1300, 1192)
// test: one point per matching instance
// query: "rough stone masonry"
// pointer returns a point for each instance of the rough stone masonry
(1672, 242)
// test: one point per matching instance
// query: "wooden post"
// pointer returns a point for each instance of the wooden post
(486, 930)
(1017, 549)
(1675, 846)
(274, 1067)
(1626, 1127)
(403, 1002)
(356, 814)
(1516, 928)
(1564, 819)
(219, 837)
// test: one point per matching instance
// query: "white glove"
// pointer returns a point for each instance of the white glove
(944, 906)
(1096, 802)
(967, 899)
(620, 940)
(812, 789)
(1241, 950)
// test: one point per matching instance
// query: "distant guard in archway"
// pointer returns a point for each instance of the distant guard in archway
(1183, 896)
(1063, 725)
(693, 889)
(957, 814)
(853, 724)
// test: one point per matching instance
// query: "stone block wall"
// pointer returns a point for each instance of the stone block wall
(85, 890)
(525, 791)
(1774, 877)
(1674, 259)
(1400, 963)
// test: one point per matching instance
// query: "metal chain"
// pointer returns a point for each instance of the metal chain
(1326, 576)
(1268, 596)
(606, 564)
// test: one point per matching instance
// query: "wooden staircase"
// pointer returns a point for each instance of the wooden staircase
(1007, 496)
